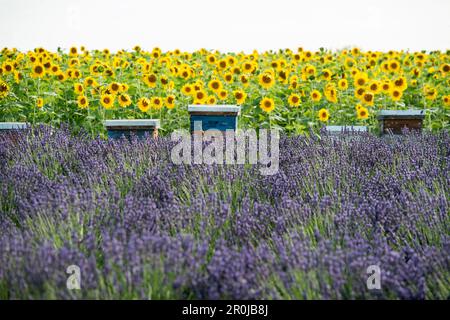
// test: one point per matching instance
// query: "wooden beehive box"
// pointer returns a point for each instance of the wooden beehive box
(210, 117)
(344, 130)
(394, 121)
(127, 128)
(10, 129)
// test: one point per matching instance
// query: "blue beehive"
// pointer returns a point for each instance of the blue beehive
(126, 128)
(12, 126)
(210, 117)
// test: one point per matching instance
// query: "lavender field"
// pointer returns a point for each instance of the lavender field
(141, 227)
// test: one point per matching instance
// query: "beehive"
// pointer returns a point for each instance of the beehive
(10, 129)
(394, 121)
(12, 126)
(127, 128)
(339, 130)
(208, 117)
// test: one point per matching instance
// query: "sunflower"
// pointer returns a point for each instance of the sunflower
(222, 94)
(362, 113)
(78, 88)
(170, 101)
(124, 100)
(343, 84)
(266, 80)
(267, 104)
(8, 67)
(73, 51)
(90, 82)
(396, 94)
(222, 64)
(386, 86)
(228, 77)
(446, 100)
(200, 97)
(430, 92)
(18, 76)
(349, 63)
(211, 100)
(324, 115)
(107, 101)
(231, 61)
(164, 80)
(240, 96)
(360, 79)
(211, 59)
(83, 102)
(150, 80)
(38, 71)
(400, 83)
(39, 103)
(244, 80)
(55, 69)
(61, 76)
(327, 74)
(374, 86)
(114, 87)
(294, 100)
(157, 103)
(368, 98)
(359, 92)
(309, 71)
(394, 65)
(331, 94)
(445, 68)
(215, 85)
(4, 89)
(248, 66)
(316, 95)
(76, 74)
(143, 104)
(187, 90)
(355, 51)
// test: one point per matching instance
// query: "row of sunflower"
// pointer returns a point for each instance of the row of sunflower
(291, 90)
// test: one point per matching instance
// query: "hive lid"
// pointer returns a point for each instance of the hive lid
(132, 123)
(214, 108)
(407, 114)
(349, 129)
(13, 125)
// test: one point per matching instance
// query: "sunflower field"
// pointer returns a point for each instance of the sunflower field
(291, 90)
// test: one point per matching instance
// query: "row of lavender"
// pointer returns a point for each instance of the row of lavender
(139, 226)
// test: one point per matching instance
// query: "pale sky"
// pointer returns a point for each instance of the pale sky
(227, 25)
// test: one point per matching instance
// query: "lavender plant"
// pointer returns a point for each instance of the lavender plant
(141, 227)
